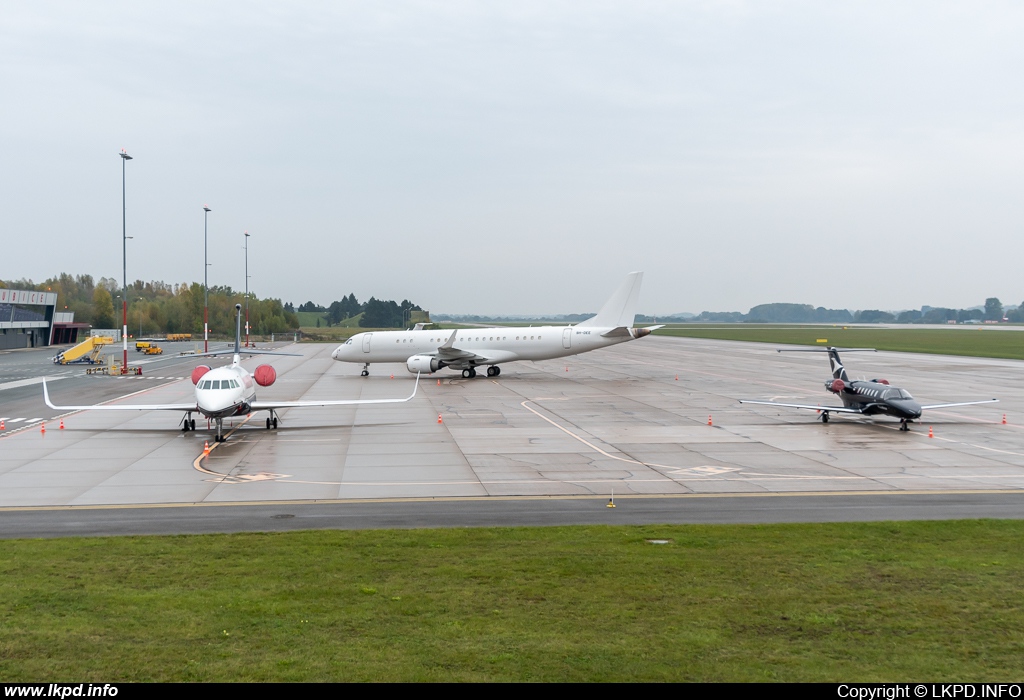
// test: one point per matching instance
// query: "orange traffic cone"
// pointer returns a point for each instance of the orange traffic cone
(42, 427)
(439, 418)
(439, 382)
(392, 375)
(677, 377)
(206, 448)
(709, 419)
(2, 425)
(930, 433)
(62, 424)
(1004, 422)
(566, 369)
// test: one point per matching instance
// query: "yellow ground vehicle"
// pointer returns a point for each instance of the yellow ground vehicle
(88, 351)
(171, 337)
(152, 349)
(142, 345)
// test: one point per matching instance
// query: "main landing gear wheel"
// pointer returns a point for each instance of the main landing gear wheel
(274, 422)
(824, 417)
(268, 424)
(904, 427)
(493, 371)
(366, 370)
(192, 424)
(468, 373)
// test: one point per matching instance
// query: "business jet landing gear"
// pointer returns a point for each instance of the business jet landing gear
(903, 425)
(824, 416)
(468, 373)
(493, 371)
(366, 370)
(272, 421)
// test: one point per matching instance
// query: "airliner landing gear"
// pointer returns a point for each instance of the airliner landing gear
(468, 373)
(192, 425)
(187, 424)
(272, 421)
(824, 416)
(219, 437)
(493, 371)
(366, 370)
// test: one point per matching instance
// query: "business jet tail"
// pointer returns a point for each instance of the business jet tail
(620, 310)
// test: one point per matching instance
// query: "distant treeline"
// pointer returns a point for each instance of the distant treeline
(159, 307)
(805, 313)
(376, 313)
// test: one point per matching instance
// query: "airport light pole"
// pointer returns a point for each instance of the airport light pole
(246, 289)
(206, 287)
(124, 259)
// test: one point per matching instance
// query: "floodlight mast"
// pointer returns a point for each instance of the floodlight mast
(206, 286)
(124, 262)
(246, 289)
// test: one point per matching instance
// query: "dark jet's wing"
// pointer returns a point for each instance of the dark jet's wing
(830, 409)
(964, 403)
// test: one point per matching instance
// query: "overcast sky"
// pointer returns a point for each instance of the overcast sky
(523, 157)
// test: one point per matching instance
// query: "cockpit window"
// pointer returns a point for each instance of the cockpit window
(892, 394)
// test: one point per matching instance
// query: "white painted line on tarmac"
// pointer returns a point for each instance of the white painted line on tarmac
(29, 382)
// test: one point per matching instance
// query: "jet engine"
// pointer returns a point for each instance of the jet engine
(198, 373)
(265, 375)
(835, 385)
(423, 363)
(881, 381)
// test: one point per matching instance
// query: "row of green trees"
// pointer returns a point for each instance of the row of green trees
(159, 308)
(376, 313)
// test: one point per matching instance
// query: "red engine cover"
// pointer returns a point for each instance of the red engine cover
(198, 373)
(884, 381)
(265, 375)
(837, 386)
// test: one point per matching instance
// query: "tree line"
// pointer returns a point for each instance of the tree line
(160, 308)
(375, 313)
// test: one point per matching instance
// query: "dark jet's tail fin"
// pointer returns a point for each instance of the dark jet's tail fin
(838, 371)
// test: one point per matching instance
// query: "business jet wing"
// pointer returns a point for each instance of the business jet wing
(121, 407)
(830, 409)
(274, 405)
(964, 403)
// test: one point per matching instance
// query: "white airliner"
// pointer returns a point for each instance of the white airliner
(430, 350)
(229, 391)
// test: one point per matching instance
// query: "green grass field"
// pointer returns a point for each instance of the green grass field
(977, 341)
(821, 602)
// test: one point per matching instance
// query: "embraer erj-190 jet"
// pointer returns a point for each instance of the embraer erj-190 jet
(229, 391)
(466, 349)
(865, 398)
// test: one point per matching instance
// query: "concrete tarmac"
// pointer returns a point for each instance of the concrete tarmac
(614, 422)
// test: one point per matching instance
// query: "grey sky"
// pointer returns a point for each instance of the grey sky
(522, 158)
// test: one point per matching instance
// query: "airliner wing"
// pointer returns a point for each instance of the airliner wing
(830, 409)
(274, 405)
(121, 407)
(965, 403)
(449, 353)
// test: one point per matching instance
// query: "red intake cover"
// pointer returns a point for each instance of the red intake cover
(265, 375)
(198, 373)
(837, 386)
(884, 381)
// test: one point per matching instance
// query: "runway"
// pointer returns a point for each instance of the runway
(612, 423)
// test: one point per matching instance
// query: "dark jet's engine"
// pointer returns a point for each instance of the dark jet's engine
(835, 385)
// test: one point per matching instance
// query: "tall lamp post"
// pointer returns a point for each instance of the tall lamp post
(124, 250)
(246, 289)
(140, 318)
(206, 287)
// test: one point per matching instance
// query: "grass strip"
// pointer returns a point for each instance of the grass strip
(810, 602)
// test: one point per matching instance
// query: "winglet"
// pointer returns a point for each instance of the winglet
(450, 343)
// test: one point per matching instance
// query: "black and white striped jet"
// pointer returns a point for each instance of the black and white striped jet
(862, 397)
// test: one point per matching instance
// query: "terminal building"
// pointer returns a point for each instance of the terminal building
(29, 319)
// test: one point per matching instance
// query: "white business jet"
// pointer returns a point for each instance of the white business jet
(430, 350)
(229, 391)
